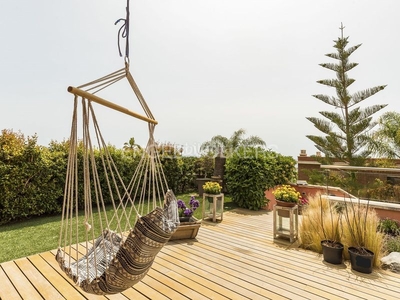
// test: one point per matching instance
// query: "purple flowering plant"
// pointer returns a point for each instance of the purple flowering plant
(187, 211)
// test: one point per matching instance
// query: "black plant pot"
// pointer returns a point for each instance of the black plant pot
(184, 219)
(332, 252)
(361, 259)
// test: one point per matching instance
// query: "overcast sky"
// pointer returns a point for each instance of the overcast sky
(205, 67)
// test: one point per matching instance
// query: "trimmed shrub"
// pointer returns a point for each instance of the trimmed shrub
(250, 171)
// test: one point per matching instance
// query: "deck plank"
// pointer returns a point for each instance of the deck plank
(309, 265)
(269, 277)
(235, 259)
(256, 262)
(132, 293)
(191, 279)
(234, 273)
(67, 290)
(258, 278)
(20, 282)
(149, 291)
(7, 290)
(40, 282)
(161, 287)
(316, 269)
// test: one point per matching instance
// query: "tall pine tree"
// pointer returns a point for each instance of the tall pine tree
(346, 128)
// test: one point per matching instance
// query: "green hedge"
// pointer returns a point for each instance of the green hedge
(32, 177)
(29, 178)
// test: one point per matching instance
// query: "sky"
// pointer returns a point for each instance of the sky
(205, 67)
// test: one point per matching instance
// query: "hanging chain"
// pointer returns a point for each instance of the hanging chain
(123, 32)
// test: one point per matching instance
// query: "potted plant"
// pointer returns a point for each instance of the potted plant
(189, 225)
(360, 235)
(212, 187)
(186, 211)
(330, 220)
(286, 195)
(320, 229)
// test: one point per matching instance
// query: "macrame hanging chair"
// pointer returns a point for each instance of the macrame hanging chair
(118, 248)
(115, 254)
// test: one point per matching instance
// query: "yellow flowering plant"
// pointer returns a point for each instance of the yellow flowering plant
(212, 187)
(286, 193)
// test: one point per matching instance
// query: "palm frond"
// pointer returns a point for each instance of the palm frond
(253, 141)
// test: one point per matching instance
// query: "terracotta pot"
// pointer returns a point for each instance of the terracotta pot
(285, 204)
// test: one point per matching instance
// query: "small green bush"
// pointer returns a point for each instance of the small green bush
(392, 243)
(391, 229)
(389, 226)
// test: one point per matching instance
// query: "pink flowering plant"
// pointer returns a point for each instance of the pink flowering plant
(303, 200)
(188, 210)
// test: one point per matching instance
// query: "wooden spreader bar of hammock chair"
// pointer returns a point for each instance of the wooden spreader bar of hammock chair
(89, 96)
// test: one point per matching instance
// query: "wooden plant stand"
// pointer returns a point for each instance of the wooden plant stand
(293, 216)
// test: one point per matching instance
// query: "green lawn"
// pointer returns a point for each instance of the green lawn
(41, 234)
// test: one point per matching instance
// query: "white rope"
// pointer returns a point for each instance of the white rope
(148, 185)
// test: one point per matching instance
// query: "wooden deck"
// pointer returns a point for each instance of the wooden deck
(235, 259)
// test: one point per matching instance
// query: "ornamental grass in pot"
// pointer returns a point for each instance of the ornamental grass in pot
(331, 225)
(364, 242)
(321, 229)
